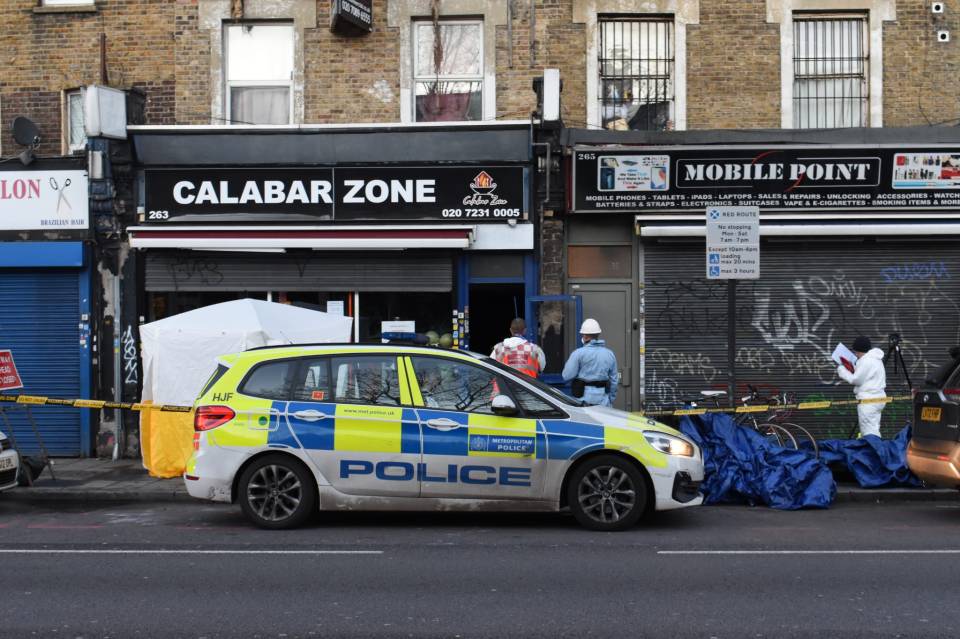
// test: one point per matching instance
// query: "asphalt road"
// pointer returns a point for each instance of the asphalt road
(198, 570)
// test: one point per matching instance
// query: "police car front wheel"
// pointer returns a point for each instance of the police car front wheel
(607, 493)
(277, 491)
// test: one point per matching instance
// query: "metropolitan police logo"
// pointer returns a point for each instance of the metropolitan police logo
(479, 442)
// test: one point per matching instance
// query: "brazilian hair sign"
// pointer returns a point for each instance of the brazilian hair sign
(825, 178)
(310, 194)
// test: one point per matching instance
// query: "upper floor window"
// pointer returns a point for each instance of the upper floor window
(65, 3)
(830, 71)
(448, 70)
(74, 133)
(636, 66)
(259, 73)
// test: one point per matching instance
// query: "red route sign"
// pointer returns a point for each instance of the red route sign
(9, 377)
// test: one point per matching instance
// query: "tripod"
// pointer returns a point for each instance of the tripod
(894, 349)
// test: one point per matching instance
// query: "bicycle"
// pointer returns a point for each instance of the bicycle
(772, 431)
(783, 404)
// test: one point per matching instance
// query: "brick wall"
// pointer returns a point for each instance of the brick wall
(352, 79)
(920, 74)
(733, 67)
(44, 54)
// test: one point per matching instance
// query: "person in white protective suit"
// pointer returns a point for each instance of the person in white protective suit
(869, 380)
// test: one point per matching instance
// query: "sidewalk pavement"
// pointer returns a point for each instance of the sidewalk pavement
(105, 480)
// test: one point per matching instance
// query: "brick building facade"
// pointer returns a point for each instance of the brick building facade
(172, 50)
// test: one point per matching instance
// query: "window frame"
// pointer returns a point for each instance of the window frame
(458, 362)
(66, 3)
(301, 372)
(417, 79)
(288, 383)
(361, 355)
(68, 147)
(229, 85)
(865, 60)
(670, 20)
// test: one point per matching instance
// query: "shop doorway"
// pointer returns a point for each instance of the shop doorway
(492, 308)
(611, 305)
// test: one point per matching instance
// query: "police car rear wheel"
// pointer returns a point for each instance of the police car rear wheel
(607, 493)
(277, 492)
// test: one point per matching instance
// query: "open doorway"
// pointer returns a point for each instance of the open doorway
(492, 307)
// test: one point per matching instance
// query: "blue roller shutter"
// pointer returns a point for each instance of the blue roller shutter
(40, 324)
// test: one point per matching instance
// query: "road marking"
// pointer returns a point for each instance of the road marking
(105, 551)
(810, 552)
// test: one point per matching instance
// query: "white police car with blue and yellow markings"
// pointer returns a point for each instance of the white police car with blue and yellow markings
(290, 430)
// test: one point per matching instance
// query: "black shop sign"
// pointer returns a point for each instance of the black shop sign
(351, 17)
(674, 179)
(385, 194)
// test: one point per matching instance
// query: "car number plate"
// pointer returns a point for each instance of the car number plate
(6, 463)
(930, 414)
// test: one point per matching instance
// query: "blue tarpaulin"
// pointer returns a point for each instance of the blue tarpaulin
(740, 465)
(873, 461)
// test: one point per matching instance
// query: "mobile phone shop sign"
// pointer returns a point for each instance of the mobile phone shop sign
(673, 179)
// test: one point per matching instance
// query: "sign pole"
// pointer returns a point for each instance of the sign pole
(732, 340)
(733, 253)
(43, 447)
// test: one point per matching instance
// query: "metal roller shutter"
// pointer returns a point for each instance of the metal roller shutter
(192, 271)
(811, 296)
(685, 326)
(42, 330)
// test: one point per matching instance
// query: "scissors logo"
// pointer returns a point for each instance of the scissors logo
(62, 190)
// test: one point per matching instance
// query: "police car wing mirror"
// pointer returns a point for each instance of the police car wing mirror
(503, 406)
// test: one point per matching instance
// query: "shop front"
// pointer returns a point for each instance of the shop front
(45, 282)
(855, 238)
(425, 225)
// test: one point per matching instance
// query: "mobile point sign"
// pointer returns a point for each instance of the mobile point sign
(688, 179)
(9, 377)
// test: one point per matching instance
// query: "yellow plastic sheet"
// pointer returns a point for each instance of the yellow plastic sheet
(166, 441)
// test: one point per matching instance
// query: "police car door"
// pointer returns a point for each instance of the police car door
(468, 452)
(349, 416)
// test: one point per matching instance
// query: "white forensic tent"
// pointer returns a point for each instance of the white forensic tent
(180, 352)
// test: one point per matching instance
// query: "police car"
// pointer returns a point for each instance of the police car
(288, 430)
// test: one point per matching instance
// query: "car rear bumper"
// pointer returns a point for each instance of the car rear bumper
(210, 476)
(935, 462)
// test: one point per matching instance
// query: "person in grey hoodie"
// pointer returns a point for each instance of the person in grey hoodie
(869, 380)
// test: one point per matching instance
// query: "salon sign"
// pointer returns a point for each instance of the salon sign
(43, 200)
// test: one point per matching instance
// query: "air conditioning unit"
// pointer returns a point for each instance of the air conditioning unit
(105, 112)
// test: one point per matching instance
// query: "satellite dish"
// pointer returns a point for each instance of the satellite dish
(25, 132)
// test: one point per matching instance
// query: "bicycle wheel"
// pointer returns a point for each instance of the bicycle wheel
(778, 434)
(802, 435)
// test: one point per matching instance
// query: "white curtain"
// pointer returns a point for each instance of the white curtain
(260, 105)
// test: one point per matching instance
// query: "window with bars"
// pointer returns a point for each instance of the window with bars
(636, 73)
(830, 71)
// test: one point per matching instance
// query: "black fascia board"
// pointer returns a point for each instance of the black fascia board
(173, 146)
(891, 136)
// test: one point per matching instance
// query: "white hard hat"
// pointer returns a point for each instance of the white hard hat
(590, 327)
